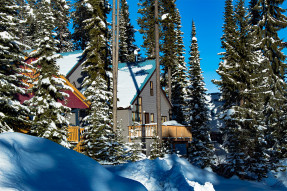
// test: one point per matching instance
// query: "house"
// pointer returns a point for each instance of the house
(137, 114)
(75, 100)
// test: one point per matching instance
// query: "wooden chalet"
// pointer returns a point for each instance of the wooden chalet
(136, 100)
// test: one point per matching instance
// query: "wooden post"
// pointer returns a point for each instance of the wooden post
(158, 100)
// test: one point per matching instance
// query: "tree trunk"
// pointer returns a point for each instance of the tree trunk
(158, 100)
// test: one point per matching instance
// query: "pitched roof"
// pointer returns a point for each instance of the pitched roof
(131, 76)
(131, 79)
(68, 61)
(74, 100)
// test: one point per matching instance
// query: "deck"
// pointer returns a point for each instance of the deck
(176, 133)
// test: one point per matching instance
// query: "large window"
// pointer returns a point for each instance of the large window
(137, 114)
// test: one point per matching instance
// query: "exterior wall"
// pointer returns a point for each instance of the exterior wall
(124, 120)
(149, 102)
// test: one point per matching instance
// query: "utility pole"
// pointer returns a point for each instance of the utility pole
(158, 88)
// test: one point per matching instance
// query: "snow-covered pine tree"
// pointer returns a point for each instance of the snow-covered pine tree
(12, 113)
(272, 20)
(147, 23)
(80, 35)
(179, 78)
(100, 142)
(23, 15)
(201, 150)
(61, 10)
(127, 35)
(50, 116)
(157, 149)
(31, 30)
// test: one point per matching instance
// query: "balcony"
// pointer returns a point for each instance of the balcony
(176, 133)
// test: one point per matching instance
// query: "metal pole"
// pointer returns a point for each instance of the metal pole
(158, 88)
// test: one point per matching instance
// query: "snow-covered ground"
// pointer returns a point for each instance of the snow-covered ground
(177, 174)
(35, 164)
(29, 163)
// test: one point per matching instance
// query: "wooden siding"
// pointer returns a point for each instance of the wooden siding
(173, 132)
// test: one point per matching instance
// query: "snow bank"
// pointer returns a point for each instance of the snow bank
(172, 123)
(177, 174)
(30, 163)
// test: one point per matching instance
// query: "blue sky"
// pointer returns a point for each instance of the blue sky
(208, 18)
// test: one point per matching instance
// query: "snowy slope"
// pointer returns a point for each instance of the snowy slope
(176, 174)
(35, 164)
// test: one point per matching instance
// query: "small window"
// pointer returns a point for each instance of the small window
(151, 88)
(163, 119)
(152, 118)
(134, 116)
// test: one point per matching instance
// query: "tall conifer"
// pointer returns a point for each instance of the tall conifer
(12, 113)
(127, 35)
(50, 116)
(147, 23)
(99, 139)
(197, 113)
(81, 34)
(61, 10)
(272, 20)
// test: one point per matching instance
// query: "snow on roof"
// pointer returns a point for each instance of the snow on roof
(131, 79)
(131, 76)
(33, 163)
(68, 61)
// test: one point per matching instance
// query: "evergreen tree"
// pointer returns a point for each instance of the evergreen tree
(147, 23)
(243, 82)
(61, 11)
(127, 35)
(197, 111)
(270, 22)
(50, 115)
(179, 78)
(100, 142)
(12, 113)
(81, 35)
(157, 150)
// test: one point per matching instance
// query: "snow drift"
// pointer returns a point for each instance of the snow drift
(31, 163)
(177, 174)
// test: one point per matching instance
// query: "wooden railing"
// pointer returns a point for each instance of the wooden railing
(174, 132)
(75, 136)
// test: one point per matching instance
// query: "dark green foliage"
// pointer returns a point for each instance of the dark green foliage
(127, 35)
(100, 142)
(61, 11)
(50, 116)
(201, 150)
(81, 34)
(147, 23)
(272, 19)
(12, 113)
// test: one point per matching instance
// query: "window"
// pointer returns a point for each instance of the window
(151, 88)
(137, 114)
(152, 118)
(163, 119)
(134, 116)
